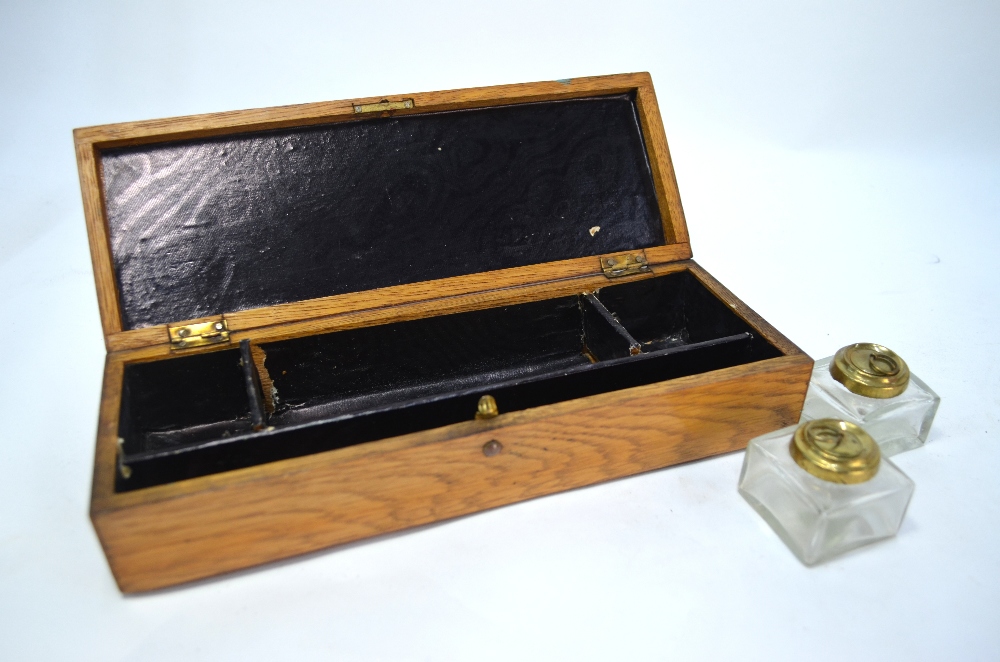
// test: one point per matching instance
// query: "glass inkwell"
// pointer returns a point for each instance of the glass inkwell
(871, 386)
(824, 488)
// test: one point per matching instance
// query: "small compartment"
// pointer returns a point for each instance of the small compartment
(349, 387)
(178, 402)
(676, 310)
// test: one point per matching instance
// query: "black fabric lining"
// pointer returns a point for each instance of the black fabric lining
(209, 226)
(183, 400)
(349, 387)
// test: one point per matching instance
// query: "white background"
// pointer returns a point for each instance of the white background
(839, 164)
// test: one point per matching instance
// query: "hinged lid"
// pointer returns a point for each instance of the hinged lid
(192, 220)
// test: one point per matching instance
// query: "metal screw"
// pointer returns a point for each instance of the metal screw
(611, 261)
(183, 333)
(492, 447)
(218, 326)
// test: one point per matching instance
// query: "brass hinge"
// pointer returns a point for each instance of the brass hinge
(196, 335)
(625, 264)
(382, 105)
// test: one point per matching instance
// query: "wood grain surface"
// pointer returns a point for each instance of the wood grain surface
(664, 178)
(111, 395)
(262, 119)
(191, 529)
(435, 297)
(252, 516)
(100, 246)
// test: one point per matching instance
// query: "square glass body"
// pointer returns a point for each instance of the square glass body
(898, 424)
(816, 518)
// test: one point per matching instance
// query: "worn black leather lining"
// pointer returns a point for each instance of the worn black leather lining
(350, 387)
(390, 420)
(183, 400)
(363, 368)
(205, 227)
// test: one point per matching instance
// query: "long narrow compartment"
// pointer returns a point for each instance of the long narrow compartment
(349, 387)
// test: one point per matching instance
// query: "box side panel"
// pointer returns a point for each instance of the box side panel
(674, 223)
(306, 114)
(105, 452)
(97, 234)
(337, 497)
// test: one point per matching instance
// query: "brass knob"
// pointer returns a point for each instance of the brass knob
(487, 408)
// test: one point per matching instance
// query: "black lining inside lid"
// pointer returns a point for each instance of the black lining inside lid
(209, 226)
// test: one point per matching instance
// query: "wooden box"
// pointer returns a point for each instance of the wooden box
(303, 308)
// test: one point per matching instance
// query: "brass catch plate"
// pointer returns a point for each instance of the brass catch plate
(625, 264)
(197, 335)
(405, 104)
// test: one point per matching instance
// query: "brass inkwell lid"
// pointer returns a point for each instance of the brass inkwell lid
(836, 451)
(871, 370)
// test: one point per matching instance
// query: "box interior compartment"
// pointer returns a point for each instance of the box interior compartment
(196, 415)
(189, 399)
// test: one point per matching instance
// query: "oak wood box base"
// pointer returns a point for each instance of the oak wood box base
(334, 395)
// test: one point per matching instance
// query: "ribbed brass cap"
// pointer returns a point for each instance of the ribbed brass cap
(487, 408)
(837, 451)
(871, 370)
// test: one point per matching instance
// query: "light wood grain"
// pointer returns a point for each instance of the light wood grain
(168, 534)
(773, 397)
(271, 512)
(444, 295)
(109, 411)
(100, 246)
(262, 119)
(106, 453)
(266, 383)
(664, 178)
